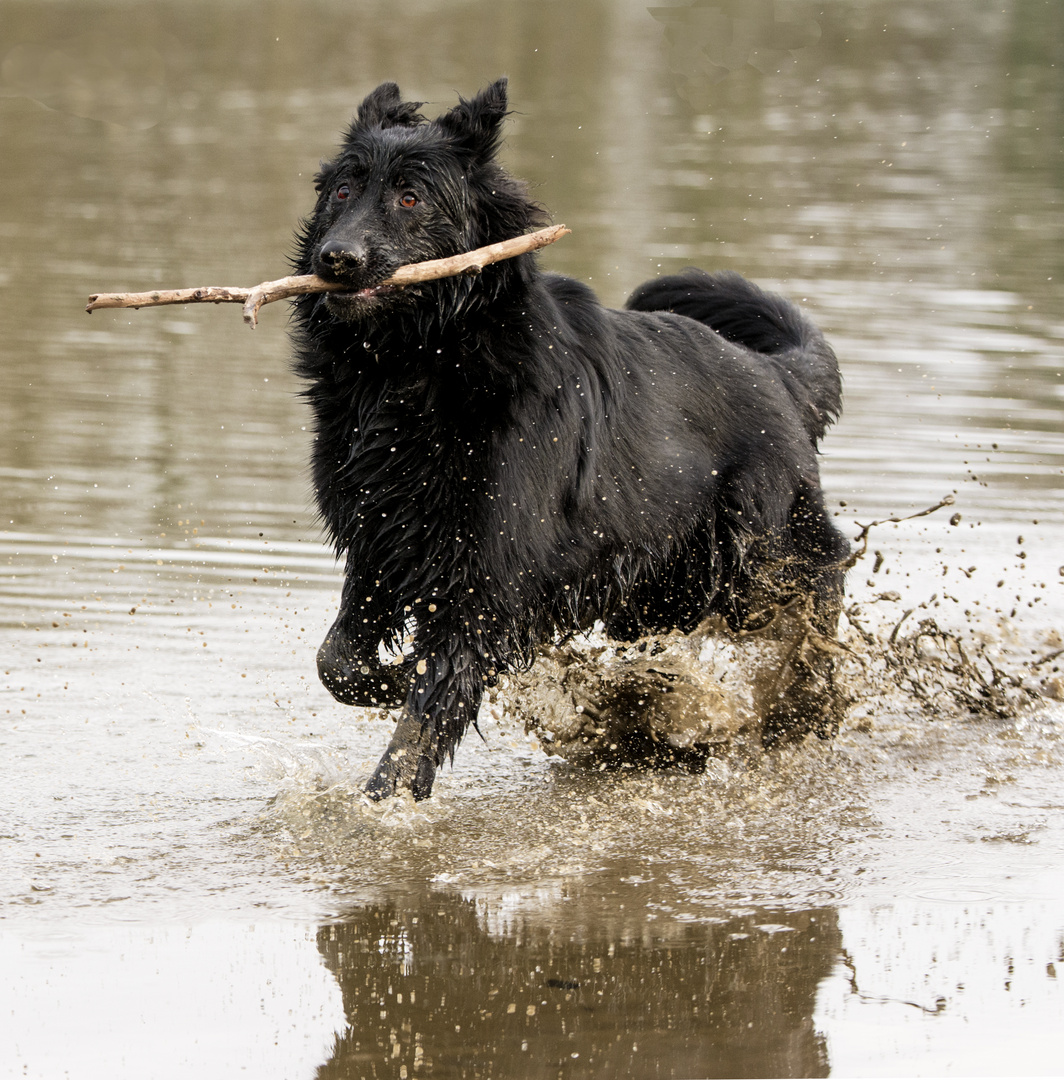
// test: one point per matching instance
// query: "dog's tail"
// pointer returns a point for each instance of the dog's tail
(741, 312)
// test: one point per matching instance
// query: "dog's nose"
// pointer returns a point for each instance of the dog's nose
(342, 255)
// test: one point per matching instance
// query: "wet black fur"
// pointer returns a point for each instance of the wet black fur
(500, 459)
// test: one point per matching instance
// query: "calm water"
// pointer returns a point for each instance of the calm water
(188, 880)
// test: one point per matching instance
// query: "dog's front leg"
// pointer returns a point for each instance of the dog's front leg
(349, 663)
(409, 762)
(443, 701)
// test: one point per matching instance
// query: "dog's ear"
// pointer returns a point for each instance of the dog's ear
(385, 108)
(476, 125)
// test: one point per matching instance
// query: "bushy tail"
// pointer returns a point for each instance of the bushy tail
(741, 312)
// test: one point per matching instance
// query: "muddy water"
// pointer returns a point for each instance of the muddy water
(188, 879)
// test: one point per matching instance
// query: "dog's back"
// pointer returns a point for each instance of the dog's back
(763, 322)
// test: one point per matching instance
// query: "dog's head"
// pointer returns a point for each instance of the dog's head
(404, 189)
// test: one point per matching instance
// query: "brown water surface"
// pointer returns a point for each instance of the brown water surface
(189, 881)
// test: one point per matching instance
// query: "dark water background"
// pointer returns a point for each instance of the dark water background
(188, 881)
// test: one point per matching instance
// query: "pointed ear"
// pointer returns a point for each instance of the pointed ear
(385, 108)
(477, 125)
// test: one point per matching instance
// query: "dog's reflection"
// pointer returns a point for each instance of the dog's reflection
(440, 988)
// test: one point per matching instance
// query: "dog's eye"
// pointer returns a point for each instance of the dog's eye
(408, 200)
(343, 191)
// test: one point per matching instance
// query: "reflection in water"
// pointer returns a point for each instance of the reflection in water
(428, 987)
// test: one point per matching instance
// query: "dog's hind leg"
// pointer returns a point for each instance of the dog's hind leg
(822, 552)
(809, 700)
(804, 697)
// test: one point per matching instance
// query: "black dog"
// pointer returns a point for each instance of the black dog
(500, 459)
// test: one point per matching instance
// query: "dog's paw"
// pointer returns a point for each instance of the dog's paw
(424, 777)
(392, 775)
(381, 785)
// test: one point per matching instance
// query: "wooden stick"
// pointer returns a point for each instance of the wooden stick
(470, 262)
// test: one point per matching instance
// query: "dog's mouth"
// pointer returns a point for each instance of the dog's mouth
(355, 303)
(369, 292)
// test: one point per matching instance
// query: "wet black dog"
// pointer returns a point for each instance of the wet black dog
(500, 459)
